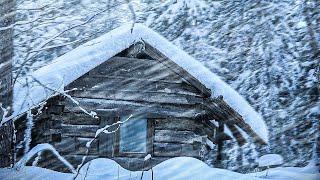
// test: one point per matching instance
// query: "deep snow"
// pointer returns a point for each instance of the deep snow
(176, 168)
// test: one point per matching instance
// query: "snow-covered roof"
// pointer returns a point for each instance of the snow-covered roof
(72, 65)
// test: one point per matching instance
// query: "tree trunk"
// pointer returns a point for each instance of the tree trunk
(7, 15)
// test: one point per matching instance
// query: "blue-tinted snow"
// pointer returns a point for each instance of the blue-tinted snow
(180, 168)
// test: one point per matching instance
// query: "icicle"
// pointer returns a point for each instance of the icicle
(27, 134)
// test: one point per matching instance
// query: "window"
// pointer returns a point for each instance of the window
(133, 136)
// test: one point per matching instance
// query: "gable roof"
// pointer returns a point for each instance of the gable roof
(72, 65)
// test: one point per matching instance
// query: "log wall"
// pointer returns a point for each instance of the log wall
(119, 87)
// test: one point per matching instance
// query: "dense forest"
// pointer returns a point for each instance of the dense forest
(268, 51)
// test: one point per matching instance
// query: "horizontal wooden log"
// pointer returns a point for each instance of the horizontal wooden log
(172, 136)
(237, 135)
(66, 145)
(76, 119)
(79, 130)
(152, 110)
(138, 68)
(118, 83)
(81, 148)
(176, 150)
(138, 96)
(179, 124)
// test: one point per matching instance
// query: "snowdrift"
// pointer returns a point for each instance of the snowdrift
(180, 168)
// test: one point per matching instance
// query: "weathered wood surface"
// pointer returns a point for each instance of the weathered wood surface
(138, 68)
(120, 108)
(76, 119)
(5, 144)
(153, 88)
(138, 96)
(81, 148)
(155, 54)
(230, 116)
(176, 149)
(79, 130)
(107, 141)
(172, 136)
(66, 145)
(180, 124)
(131, 83)
(237, 135)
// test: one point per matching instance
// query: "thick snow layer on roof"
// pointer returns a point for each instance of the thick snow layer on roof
(175, 168)
(79, 61)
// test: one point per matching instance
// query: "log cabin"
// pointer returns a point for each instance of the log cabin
(157, 100)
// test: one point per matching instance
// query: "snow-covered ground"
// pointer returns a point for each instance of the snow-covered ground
(176, 168)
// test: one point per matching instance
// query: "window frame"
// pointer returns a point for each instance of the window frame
(149, 141)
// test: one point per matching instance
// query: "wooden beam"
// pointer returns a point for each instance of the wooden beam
(138, 96)
(152, 110)
(76, 119)
(236, 134)
(176, 149)
(221, 110)
(171, 136)
(138, 68)
(119, 83)
(157, 55)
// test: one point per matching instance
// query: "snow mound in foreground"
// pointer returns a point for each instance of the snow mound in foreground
(176, 168)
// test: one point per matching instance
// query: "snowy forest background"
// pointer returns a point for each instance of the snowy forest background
(267, 50)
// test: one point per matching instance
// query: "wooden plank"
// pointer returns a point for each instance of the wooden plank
(150, 135)
(179, 124)
(176, 150)
(76, 119)
(235, 118)
(67, 145)
(119, 83)
(153, 110)
(79, 130)
(157, 55)
(138, 96)
(138, 68)
(171, 136)
(236, 134)
(107, 141)
(81, 148)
